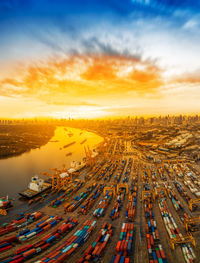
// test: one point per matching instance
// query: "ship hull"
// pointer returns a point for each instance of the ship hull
(29, 194)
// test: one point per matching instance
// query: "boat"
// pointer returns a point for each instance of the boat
(68, 154)
(69, 144)
(70, 134)
(35, 188)
(83, 141)
(76, 166)
(4, 203)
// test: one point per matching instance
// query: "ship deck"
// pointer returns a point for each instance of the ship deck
(28, 193)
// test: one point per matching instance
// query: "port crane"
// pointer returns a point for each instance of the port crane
(60, 178)
(109, 189)
(146, 194)
(192, 202)
(90, 160)
(181, 240)
(120, 186)
(189, 222)
(159, 192)
(53, 181)
(103, 147)
(3, 212)
(174, 161)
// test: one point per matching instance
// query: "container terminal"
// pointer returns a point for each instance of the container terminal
(117, 206)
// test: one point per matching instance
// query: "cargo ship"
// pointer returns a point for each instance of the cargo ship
(76, 166)
(69, 144)
(35, 187)
(4, 203)
(70, 134)
(83, 141)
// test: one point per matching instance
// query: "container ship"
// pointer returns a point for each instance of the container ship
(35, 187)
(69, 144)
(76, 166)
(83, 141)
(68, 154)
(4, 203)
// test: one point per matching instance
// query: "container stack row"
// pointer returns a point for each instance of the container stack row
(21, 221)
(27, 252)
(119, 171)
(64, 196)
(96, 249)
(91, 201)
(124, 245)
(117, 206)
(40, 228)
(79, 199)
(61, 253)
(128, 170)
(155, 251)
(132, 199)
(173, 230)
(102, 205)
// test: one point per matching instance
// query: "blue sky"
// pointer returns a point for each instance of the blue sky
(163, 34)
(30, 27)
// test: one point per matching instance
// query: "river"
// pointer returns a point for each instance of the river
(16, 172)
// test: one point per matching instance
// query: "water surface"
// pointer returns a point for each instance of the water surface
(16, 172)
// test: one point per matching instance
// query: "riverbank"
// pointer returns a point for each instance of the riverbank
(17, 139)
(16, 172)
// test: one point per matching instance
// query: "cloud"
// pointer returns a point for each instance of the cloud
(188, 77)
(100, 53)
(80, 79)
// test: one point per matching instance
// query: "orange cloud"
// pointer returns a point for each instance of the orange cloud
(191, 78)
(78, 80)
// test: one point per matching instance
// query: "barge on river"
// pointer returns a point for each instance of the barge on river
(69, 144)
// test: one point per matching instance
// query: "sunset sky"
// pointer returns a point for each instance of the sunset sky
(96, 58)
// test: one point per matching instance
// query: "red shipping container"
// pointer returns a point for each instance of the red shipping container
(117, 258)
(5, 248)
(162, 254)
(118, 246)
(89, 250)
(22, 249)
(29, 252)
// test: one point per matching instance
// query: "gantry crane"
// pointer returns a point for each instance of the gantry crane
(60, 178)
(190, 221)
(103, 148)
(159, 191)
(54, 178)
(148, 194)
(192, 202)
(119, 186)
(109, 189)
(181, 240)
(3, 212)
(90, 160)
(174, 161)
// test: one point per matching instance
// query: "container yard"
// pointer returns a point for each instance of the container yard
(118, 209)
(100, 131)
